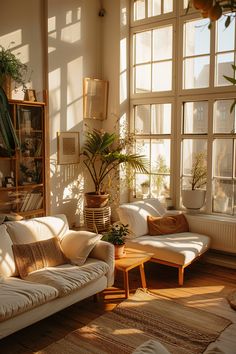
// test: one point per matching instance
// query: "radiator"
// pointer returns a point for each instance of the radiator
(221, 231)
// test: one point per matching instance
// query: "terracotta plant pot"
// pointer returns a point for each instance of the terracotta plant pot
(96, 200)
(119, 251)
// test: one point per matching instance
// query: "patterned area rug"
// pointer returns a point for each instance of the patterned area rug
(181, 329)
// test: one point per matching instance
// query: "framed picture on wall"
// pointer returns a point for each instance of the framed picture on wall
(67, 148)
(95, 94)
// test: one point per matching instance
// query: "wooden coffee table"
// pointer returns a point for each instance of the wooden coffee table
(133, 258)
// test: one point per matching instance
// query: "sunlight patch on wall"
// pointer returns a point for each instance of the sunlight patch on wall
(51, 24)
(74, 79)
(79, 13)
(68, 17)
(55, 93)
(71, 33)
(7, 40)
(23, 53)
(123, 19)
(74, 113)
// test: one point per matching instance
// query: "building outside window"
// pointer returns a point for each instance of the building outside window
(180, 101)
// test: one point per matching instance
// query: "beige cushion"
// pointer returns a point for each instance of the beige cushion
(36, 255)
(77, 245)
(167, 224)
(67, 278)
(17, 296)
(135, 215)
(151, 347)
(179, 248)
(7, 262)
(37, 229)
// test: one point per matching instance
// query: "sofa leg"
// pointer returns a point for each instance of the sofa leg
(96, 297)
(181, 276)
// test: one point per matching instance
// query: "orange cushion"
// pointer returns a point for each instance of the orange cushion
(167, 224)
(36, 255)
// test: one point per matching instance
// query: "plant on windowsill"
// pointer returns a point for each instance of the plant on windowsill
(116, 235)
(194, 197)
(103, 153)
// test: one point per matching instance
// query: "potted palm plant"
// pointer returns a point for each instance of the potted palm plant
(194, 197)
(102, 154)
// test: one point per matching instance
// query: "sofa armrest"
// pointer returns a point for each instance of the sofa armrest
(105, 252)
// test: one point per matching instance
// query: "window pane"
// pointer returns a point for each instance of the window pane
(143, 147)
(222, 196)
(139, 10)
(161, 119)
(160, 156)
(160, 186)
(222, 161)
(162, 76)
(143, 78)
(142, 119)
(224, 121)
(196, 37)
(195, 117)
(225, 36)
(154, 7)
(143, 47)
(142, 185)
(162, 43)
(168, 6)
(223, 67)
(192, 147)
(196, 72)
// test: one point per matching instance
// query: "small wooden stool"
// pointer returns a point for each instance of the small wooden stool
(133, 258)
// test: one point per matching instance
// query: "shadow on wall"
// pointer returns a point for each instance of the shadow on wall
(74, 51)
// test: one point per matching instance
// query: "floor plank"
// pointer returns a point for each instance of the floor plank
(206, 287)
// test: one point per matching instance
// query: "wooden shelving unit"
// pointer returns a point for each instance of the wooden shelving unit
(22, 176)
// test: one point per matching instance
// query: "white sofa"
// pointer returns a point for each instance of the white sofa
(177, 250)
(51, 289)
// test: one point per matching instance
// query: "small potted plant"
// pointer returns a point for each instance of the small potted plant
(116, 235)
(194, 197)
(145, 187)
(11, 68)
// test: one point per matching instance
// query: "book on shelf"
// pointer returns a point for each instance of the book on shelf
(31, 201)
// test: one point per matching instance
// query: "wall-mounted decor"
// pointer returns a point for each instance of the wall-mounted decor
(67, 148)
(95, 93)
(30, 95)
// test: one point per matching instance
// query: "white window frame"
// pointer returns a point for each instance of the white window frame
(178, 95)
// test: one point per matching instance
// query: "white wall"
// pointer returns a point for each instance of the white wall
(80, 44)
(20, 22)
(74, 42)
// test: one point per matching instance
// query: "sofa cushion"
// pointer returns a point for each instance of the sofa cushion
(151, 347)
(37, 229)
(77, 245)
(179, 248)
(167, 224)
(18, 296)
(135, 215)
(36, 255)
(67, 278)
(7, 262)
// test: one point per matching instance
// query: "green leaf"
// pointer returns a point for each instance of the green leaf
(230, 79)
(227, 21)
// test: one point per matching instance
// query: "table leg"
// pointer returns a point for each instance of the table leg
(126, 283)
(142, 274)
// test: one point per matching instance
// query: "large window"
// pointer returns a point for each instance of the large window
(181, 102)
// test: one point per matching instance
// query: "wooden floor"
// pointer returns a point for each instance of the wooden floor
(206, 286)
